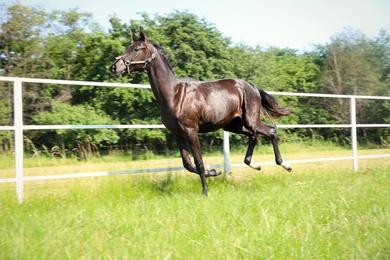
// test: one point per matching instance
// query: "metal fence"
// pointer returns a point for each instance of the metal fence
(19, 127)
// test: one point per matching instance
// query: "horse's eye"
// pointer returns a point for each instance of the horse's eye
(136, 49)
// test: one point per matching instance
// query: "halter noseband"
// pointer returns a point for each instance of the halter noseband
(133, 63)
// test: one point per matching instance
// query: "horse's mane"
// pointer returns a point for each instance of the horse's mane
(164, 54)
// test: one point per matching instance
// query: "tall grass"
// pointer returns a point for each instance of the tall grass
(314, 213)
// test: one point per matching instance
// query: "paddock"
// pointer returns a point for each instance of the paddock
(19, 127)
(334, 205)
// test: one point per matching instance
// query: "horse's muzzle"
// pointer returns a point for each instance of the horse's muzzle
(113, 69)
(117, 69)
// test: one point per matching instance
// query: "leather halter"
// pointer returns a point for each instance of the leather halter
(133, 63)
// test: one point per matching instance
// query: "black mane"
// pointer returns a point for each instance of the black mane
(164, 54)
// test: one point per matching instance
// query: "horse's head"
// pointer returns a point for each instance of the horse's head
(136, 57)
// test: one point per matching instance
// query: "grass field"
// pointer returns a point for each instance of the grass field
(319, 211)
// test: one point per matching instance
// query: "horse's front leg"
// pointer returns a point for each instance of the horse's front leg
(185, 154)
(193, 139)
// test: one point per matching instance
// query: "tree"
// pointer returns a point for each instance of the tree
(22, 51)
(69, 35)
(354, 64)
(348, 69)
(197, 48)
(37, 44)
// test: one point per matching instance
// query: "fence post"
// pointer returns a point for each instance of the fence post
(18, 124)
(354, 133)
(226, 152)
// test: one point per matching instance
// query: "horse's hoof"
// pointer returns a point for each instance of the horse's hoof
(213, 173)
(255, 166)
(287, 166)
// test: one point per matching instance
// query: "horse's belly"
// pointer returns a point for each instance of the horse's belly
(217, 117)
(205, 128)
(205, 113)
(218, 109)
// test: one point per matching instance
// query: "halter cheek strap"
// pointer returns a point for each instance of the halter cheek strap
(133, 63)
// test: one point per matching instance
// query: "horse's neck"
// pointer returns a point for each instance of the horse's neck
(162, 81)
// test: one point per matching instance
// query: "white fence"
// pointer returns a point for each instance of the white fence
(19, 127)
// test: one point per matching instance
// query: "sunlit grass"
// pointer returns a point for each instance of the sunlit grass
(313, 213)
(319, 211)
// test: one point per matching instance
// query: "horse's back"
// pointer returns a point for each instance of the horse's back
(186, 79)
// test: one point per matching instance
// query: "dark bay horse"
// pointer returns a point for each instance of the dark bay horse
(189, 107)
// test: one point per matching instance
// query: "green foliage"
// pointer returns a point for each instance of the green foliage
(22, 52)
(197, 48)
(352, 66)
(64, 114)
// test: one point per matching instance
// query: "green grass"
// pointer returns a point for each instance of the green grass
(312, 213)
(44, 165)
(7, 160)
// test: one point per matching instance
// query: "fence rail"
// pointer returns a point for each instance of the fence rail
(19, 127)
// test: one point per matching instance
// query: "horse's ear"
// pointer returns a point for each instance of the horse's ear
(134, 36)
(143, 35)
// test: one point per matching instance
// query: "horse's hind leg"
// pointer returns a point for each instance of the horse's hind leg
(270, 132)
(249, 153)
(237, 126)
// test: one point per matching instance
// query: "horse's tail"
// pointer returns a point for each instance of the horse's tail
(271, 106)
